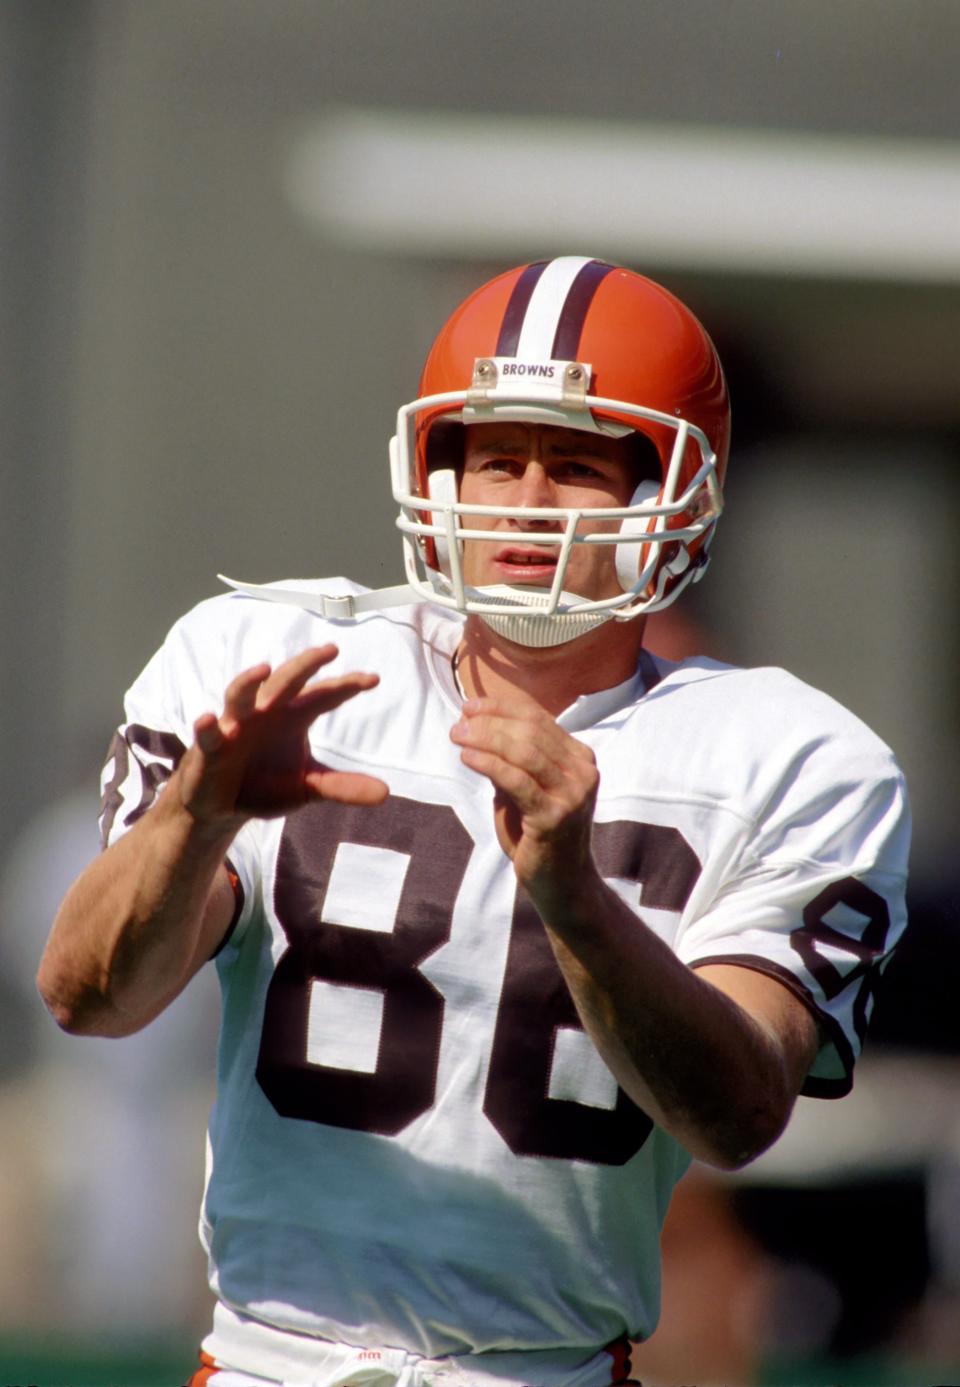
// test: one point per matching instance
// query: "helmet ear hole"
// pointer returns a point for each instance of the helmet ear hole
(445, 443)
(644, 458)
(629, 557)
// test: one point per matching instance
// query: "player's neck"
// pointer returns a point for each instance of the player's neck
(488, 666)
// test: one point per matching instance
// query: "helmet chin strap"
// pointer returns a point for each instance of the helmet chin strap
(536, 631)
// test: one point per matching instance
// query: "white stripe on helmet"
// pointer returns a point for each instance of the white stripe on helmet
(545, 307)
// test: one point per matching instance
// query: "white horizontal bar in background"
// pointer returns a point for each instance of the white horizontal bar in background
(465, 186)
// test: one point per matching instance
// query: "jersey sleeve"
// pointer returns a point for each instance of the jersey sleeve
(816, 898)
(186, 677)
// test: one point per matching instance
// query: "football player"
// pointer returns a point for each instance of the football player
(511, 918)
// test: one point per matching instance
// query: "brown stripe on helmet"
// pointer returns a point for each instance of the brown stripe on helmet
(566, 342)
(512, 324)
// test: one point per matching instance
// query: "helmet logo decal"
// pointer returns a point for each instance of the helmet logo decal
(529, 368)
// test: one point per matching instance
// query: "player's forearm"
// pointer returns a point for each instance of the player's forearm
(694, 1060)
(127, 936)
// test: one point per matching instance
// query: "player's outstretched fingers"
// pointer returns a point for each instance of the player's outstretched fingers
(522, 785)
(208, 734)
(287, 680)
(528, 740)
(332, 692)
(519, 747)
(240, 699)
(528, 723)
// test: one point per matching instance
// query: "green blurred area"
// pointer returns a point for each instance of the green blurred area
(869, 1371)
(53, 1362)
(49, 1362)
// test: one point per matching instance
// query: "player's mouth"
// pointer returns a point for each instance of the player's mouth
(535, 563)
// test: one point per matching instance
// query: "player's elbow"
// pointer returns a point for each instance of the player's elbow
(71, 1020)
(78, 1009)
(66, 1005)
(751, 1128)
(754, 1105)
(739, 1148)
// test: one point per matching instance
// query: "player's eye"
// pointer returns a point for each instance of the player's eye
(579, 470)
(500, 463)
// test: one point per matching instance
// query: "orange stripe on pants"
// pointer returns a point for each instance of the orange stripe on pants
(204, 1373)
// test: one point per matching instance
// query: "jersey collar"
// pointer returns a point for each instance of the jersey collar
(590, 709)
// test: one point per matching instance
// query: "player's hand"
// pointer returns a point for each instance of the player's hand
(254, 759)
(546, 790)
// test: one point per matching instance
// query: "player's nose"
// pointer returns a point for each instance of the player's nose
(535, 487)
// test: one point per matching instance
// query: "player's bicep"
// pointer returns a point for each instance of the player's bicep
(778, 1009)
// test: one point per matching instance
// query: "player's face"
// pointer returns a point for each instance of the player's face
(526, 465)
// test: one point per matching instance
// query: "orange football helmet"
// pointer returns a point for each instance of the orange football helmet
(582, 344)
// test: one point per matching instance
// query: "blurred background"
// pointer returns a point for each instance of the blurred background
(229, 230)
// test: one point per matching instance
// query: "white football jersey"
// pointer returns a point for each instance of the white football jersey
(414, 1143)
